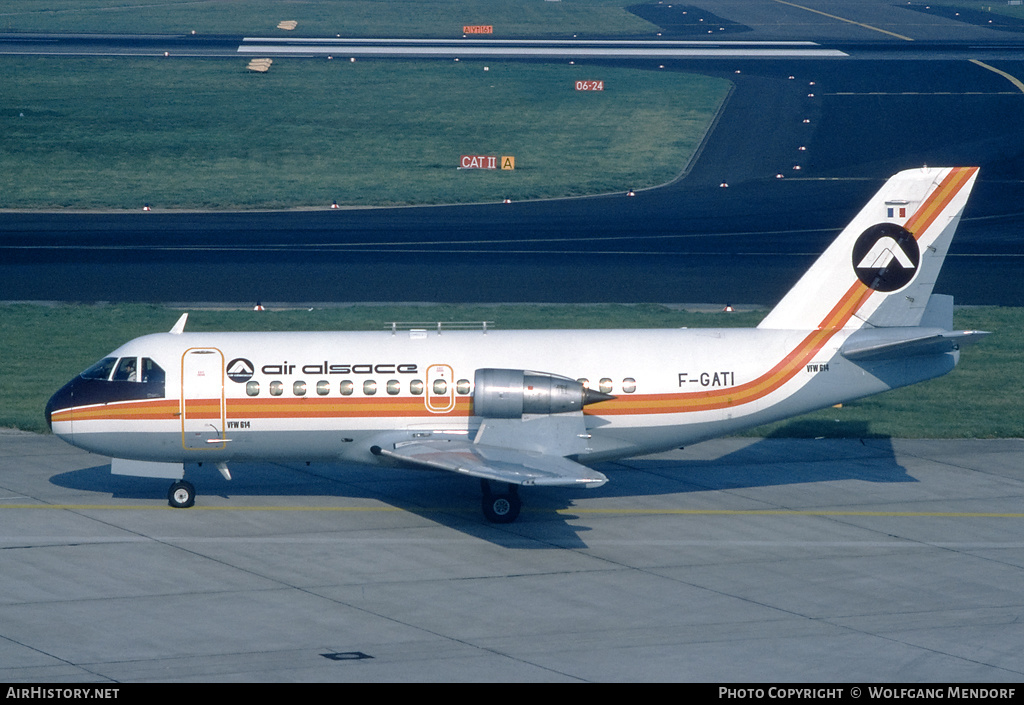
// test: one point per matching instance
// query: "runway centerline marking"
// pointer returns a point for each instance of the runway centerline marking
(843, 19)
(1012, 79)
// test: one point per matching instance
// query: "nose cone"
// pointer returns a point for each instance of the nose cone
(62, 399)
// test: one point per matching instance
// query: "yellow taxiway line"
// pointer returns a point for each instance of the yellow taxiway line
(843, 19)
(1012, 79)
(796, 512)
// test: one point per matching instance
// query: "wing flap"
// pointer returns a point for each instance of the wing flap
(515, 467)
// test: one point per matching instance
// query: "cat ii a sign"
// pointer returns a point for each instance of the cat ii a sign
(471, 161)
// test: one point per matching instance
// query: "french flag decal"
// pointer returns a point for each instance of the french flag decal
(896, 209)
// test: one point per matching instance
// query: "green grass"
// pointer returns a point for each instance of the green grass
(179, 133)
(45, 346)
(349, 18)
(95, 133)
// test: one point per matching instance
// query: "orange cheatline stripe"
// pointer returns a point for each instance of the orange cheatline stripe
(763, 385)
(835, 320)
(768, 382)
(247, 408)
(939, 199)
(144, 409)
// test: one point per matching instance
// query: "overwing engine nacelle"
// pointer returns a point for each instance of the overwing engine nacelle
(509, 394)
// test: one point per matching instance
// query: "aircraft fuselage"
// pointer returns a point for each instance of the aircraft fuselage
(331, 396)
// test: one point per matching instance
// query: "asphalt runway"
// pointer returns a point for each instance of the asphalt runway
(738, 560)
(953, 96)
(688, 241)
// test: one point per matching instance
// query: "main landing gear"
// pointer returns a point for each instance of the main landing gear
(501, 508)
(181, 495)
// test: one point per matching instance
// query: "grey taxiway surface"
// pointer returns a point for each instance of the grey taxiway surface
(733, 560)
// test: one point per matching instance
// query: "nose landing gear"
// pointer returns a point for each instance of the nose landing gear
(181, 495)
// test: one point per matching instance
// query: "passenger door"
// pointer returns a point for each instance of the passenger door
(203, 410)
(440, 392)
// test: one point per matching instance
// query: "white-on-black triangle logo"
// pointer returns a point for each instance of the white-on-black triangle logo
(240, 370)
(886, 257)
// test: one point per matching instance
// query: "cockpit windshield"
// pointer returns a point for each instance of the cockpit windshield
(112, 379)
(126, 369)
(121, 379)
(101, 370)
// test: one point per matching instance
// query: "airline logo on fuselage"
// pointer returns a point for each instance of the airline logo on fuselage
(241, 370)
(886, 257)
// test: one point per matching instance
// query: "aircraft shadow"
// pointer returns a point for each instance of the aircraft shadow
(547, 519)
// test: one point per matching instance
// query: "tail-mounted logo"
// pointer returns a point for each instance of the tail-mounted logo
(886, 257)
(240, 370)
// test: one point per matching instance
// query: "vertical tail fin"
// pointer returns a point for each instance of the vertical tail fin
(881, 269)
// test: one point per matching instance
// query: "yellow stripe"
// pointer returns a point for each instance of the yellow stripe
(843, 19)
(940, 198)
(798, 512)
(162, 507)
(569, 511)
(1012, 79)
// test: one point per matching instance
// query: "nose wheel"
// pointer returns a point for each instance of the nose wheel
(181, 495)
(501, 507)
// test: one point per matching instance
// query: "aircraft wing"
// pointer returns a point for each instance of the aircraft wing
(517, 467)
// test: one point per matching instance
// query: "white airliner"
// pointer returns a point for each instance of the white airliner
(534, 407)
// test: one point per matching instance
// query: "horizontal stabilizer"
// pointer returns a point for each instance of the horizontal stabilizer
(890, 343)
(515, 467)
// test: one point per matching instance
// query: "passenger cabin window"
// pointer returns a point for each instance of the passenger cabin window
(629, 385)
(394, 386)
(299, 389)
(323, 387)
(252, 388)
(276, 389)
(369, 387)
(462, 386)
(347, 387)
(416, 387)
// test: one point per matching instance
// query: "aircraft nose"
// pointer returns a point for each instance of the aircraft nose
(62, 399)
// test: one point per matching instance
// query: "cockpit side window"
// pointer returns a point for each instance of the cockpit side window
(101, 370)
(127, 370)
(152, 373)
